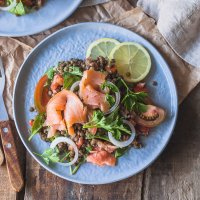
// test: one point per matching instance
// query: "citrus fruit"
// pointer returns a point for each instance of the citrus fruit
(132, 60)
(101, 47)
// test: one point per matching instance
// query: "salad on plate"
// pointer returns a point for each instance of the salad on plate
(20, 7)
(95, 110)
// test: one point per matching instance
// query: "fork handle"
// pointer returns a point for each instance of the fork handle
(1, 156)
(12, 160)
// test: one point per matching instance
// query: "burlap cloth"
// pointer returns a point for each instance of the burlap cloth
(120, 12)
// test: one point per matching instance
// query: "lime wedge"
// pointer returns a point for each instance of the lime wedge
(101, 47)
(132, 60)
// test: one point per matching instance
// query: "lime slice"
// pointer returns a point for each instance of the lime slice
(101, 47)
(132, 60)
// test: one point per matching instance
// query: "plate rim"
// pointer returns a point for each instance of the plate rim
(27, 33)
(173, 86)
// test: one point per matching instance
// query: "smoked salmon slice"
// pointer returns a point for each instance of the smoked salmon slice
(57, 81)
(101, 158)
(90, 90)
(74, 112)
(105, 146)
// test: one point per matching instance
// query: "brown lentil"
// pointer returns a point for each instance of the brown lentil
(32, 109)
(93, 142)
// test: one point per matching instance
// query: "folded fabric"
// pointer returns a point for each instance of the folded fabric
(179, 23)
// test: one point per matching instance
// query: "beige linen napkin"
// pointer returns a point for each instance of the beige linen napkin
(120, 12)
(179, 22)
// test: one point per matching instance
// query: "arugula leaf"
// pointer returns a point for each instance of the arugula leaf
(50, 73)
(73, 171)
(112, 123)
(112, 87)
(117, 135)
(134, 101)
(19, 9)
(37, 125)
(110, 99)
(88, 149)
(52, 155)
(75, 71)
(49, 155)
(120, 152)
(69, 80)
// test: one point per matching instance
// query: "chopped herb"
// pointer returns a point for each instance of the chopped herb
(110, 86)
(117, 135)
(97, 136)
(69, 79)
(19, 9)
(52, 155)
(112, 123)
(88, 149)
(50, 73)
(37, 125)
(110, 99)
(134, 101)
(75, 71)
(120, 152)
(73, 171)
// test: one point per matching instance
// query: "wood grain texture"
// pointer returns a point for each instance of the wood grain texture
(176, 174)
(12, 160)
(1, 156)
(40, 184)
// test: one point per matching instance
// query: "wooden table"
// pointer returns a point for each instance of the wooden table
(175, 175)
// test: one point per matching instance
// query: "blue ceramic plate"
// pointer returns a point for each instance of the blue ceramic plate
(52, 13)
(72, 42)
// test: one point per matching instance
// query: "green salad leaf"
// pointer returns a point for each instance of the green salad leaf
(75, 71)
(52, 155)
(110, 99)
(37, 125)
(50, 73)
(134, 101)
(97, 136)
(110, 86)
(120, 152)
(75, 169)
(112, 123)
(69, 79)
(19, 9)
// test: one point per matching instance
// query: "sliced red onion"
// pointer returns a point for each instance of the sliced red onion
(70, 142)
(124, 143)
(117, 101)
(12, 5)
(74, 86)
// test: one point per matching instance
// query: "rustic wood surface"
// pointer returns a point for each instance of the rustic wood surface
(175, 175)
(1, 156)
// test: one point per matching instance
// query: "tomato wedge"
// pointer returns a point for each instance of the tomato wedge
(41, 96)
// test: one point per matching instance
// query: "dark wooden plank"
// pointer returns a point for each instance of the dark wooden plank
(175, 175)
(40, 184)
